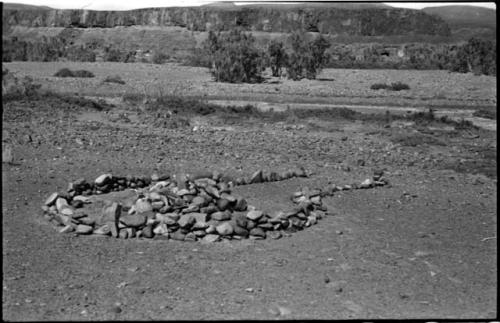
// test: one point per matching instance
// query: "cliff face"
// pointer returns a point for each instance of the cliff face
(366, 22)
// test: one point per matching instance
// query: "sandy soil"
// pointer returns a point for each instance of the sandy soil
(423, 247)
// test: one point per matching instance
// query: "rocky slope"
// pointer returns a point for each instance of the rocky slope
(343, 21)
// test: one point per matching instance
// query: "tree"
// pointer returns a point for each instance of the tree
(277, 56)
(477, 55)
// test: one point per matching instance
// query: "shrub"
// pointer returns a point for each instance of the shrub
(14, 88)
(66, 72)
(80, 54)
(486, 113)
(379, 86)
(477, 55)
(158, 57)
(114, 79)
(306, 58)
(398, 86)
(234, 57)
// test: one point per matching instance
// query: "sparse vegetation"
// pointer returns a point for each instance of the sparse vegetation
(397, 86)
(114, 79)
(158, 57)
(486, 113)
(66, 72)
(277, 57)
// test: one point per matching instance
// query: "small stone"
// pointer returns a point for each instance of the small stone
(316, 200)
(143, 205)
(214, 192)
(210, 229)
(67, 211)
(221, 216)
(161, 229)
(147, 232)
(123, 234)
(190, 237)
(83, 229)
(241, 204)
(103, 179)
(199, 200)
(186, 221)
(67, 229)
(222, 204)
(240, 231)
(251, 224)
(51, 199)
(225, 229)
(274, 234)
(265, 226)
(228, 197)
(210, 238)
(367, 183)
(254, 215)
(258, 232)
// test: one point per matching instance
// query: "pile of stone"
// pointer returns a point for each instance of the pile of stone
(187, 207)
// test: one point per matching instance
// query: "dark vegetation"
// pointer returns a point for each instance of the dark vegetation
(66, 72)
(486, 113)
(396, 86)
(114, 79)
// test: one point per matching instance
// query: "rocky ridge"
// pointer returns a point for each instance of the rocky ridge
(186, 207)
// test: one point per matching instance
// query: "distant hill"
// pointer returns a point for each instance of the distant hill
(467, 21)
(338, 5)
(20, 6)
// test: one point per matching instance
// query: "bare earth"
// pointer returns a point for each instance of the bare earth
(423, 247)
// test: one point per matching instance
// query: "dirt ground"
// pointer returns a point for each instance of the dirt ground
(422, 247)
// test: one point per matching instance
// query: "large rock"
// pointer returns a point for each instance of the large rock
(134, 220)
(51, 200)
(110, 213)
(143, 205)
(210, 238)
(83, 229)
(256, 177)
(103, 179)
(258, 232)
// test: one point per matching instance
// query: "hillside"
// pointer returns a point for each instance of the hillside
(467, 21)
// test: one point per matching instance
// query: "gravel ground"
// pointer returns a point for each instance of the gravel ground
(423, 247)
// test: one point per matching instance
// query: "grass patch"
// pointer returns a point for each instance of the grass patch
(417, 139)
(114, 79)
(66, 72)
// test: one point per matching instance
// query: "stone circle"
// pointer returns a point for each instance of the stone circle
(185, 207)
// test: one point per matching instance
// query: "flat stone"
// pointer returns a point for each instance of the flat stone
(190, 237)
(199, 200)
(254, 215)
(177, 235)
(220, 216)
(200, 174)
(110, 213)
(200, 233)
(210, 238)
(251, 224)
(265, 226)
(228, 197)
(101, 180)
(67, 211)
(68, 228)
(83, 229)
(256, 177)
(87, 221)
(133, 220)
(211, 190)
(316, 200)
(274, 234)
(258, 232)
(61, 203)
(103, 230)
(51, 199)
(173, 216)
(225, 229)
